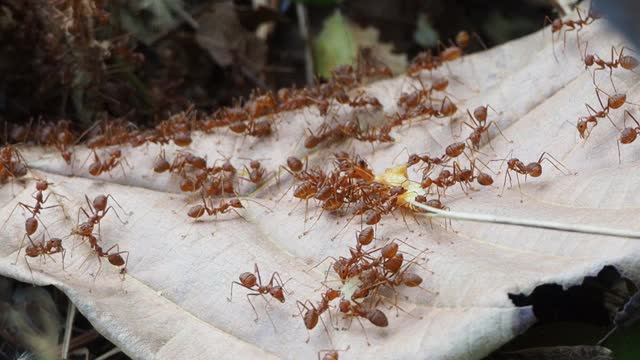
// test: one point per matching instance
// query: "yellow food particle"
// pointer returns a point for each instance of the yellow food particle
(397, 176)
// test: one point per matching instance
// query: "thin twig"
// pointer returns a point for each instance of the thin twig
(71, 315)
(304, 33)
(109, 353)
(540, 224)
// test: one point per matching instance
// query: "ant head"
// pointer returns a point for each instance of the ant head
(42, 185)
(278, 293)
(462, 39)
(582, 128)
(332, 294)
(421, 199)
(556, 25)
(413, 159)
(345, 305)
(254, 164)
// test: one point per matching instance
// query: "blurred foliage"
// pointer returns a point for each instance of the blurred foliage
(335, 45)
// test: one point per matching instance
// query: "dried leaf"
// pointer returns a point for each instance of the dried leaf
(227, 41)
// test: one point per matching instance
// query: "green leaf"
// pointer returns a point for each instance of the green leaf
(335, 45)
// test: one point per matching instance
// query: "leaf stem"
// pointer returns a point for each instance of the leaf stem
(540, 224)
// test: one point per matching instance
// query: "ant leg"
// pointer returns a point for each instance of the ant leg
(24, 206)
(26, 260)
(547, 20)
(323, 260)
(554, 159)
(116, 213)
(252, 306)
(564, 41)
(626, 112)
(363, 330)
(93, 211)
(231, 293)
(504, 184)
(117, 203)
(20, 247)
(495, 124)
(619, 156)
(519, 187)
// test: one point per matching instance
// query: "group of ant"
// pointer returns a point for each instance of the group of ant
(366, 276)
(97, 210)
(211, 181)
(616, 100)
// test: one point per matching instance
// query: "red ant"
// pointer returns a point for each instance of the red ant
(115, 158)
(253, 282)
(114, 259)
(31, 223)
(313, 313)
(533, 169)
(614, 101)
(617, 59)
(224, 207)
(480, 126)
(48, 248)
(256, 174)
(99, 210)
(161, 164)
(570, 25)
(628, 134)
